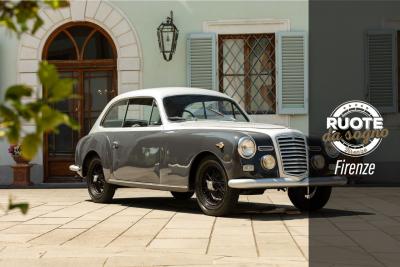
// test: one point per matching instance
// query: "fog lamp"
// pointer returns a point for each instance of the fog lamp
(318, 162)
(268, 162)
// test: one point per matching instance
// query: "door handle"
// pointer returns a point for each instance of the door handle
(115, 144)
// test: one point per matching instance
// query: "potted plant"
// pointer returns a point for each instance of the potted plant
(22, 167)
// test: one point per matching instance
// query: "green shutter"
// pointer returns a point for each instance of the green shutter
(381, 69)
(292, 72)
(201, 60)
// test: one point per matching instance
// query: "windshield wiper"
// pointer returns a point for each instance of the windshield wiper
(221, 114)
(176, 118)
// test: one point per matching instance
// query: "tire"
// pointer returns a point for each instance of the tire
(182, 195)
(99, 190)
(213, 195)
(319, 197)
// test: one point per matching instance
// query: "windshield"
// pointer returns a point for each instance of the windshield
(202, 107)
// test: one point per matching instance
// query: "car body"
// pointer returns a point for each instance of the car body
(159, 138)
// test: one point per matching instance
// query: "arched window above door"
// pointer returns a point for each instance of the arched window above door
(79, 42)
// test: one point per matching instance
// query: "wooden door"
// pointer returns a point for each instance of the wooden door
(84, 52)
(95, 89)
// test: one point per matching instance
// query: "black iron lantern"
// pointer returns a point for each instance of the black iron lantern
(167, 34)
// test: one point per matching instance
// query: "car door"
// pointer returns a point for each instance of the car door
(136, 147)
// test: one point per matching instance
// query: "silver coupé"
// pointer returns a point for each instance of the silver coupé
(187, 141)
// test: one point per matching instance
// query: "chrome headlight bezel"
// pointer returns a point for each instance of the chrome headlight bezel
(247, 140)
(330, 150)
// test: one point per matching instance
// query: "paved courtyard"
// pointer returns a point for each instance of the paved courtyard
(360, 227)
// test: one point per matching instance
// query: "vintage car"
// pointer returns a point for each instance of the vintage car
(187, 141)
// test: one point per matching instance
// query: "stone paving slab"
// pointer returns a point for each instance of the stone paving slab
(359, 227)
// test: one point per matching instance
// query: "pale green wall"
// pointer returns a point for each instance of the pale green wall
(8, 62)
(189, 17)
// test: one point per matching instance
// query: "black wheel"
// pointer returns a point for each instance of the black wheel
(182, 195)
(99, 190)
(312, 200)
(213, 195)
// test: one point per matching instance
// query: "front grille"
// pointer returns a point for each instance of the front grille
(293, 152)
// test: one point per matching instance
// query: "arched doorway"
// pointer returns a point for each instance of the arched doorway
(85, 52)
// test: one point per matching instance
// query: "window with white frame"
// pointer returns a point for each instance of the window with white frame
(266, 73)
(246, 70)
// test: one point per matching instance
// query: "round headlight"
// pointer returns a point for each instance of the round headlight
(330, 150)
(268, 162)
(246, 147)
(318, 162)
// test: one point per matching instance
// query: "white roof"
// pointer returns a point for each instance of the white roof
(162, 92)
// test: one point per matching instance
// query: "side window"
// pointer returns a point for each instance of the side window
(155, 118)
(139, 113)
(115, 115)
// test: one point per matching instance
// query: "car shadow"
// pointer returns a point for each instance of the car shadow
(257, 211)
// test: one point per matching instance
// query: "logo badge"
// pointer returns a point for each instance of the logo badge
(355, 128)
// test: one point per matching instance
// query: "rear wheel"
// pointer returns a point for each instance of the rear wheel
(182, 195)
(213, 195)
(99, 190)
(312, 198)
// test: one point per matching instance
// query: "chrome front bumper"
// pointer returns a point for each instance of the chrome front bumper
(245, 183)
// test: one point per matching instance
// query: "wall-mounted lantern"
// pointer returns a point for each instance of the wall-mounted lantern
(167, 34)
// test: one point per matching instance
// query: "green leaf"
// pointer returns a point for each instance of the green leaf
(38, 23)
(16, 92)
(61, 90)
(7, 114)
(22, 206)
(48, 75)
(56, 3)
(30, 145)
(51, 118)
(71, 122)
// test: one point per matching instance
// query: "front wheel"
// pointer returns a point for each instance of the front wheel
(99, 190)
(213, 195)
(311, 198)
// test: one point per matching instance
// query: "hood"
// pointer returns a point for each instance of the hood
(227, 124)
(270, 129)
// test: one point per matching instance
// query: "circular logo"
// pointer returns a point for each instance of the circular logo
(355, 128)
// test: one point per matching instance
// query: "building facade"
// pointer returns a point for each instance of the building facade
(242, 48)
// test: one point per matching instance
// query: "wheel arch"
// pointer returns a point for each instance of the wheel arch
(195, 164)
(91, 154)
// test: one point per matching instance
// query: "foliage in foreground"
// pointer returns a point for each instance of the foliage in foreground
(20, 104)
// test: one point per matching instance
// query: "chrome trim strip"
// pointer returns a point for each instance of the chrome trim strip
(314, 148)
(245, 183)
(176, 188)
(265, 148)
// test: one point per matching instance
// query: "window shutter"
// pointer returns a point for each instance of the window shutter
(381, 69)
(292, 72)
(201, 60)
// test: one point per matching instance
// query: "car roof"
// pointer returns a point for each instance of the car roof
(162, 92)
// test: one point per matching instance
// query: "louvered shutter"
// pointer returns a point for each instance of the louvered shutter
(292, 72)
(381, 69)
(201, 60)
